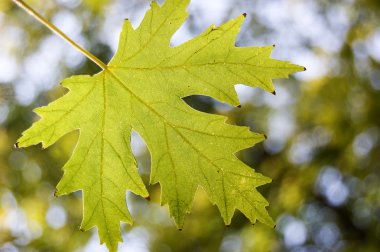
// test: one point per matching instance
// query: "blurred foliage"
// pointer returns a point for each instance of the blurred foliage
(95, 5)
(325, 193)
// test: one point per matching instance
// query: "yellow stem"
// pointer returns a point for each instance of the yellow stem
(53, 28)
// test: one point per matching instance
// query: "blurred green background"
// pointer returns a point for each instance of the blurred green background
(322, 151)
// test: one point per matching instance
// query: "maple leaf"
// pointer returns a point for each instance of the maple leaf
(142, 89)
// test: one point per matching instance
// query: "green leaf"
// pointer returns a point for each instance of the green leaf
(142, 89)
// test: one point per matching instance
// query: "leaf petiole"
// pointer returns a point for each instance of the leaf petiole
(53, 28)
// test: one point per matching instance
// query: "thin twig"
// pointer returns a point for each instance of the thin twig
(53, 28)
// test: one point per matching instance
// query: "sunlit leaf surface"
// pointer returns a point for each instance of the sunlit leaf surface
(142, 89)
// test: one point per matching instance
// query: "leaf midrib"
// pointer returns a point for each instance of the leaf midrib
(160, 68)
(124, 86)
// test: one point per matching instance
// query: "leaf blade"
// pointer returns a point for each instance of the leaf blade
(142, 89)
